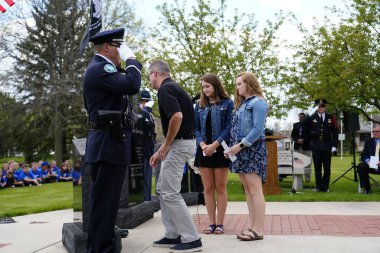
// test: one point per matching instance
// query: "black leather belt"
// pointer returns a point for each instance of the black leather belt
(97, 126)
(188, 136)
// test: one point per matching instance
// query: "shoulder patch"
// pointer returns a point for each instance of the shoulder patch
(109, 68)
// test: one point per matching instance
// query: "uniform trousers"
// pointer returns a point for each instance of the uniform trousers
(321, 157)
(174, 212)
(147, 179)
(107, 182)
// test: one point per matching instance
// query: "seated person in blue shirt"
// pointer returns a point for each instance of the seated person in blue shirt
(46, 174)
(65, 173)
(9, 180)
(2, 179)
(25, 177)
(35, 173)
(371, 148)
(77, 180)
(54, 169)
(14, 167)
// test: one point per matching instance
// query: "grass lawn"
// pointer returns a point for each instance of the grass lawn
(49, 197)
(343, 190)
(36, 199)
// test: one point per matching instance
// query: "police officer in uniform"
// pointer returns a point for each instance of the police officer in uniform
(149, 141)
(324, 140)
(108, 144)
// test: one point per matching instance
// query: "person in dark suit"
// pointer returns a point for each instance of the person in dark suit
(371, 148)
(108, 144)
(301, 137)
(323, 141)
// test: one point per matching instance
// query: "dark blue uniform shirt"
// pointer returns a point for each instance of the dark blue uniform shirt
(103, 89)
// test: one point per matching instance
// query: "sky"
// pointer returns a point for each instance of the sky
(306, 12)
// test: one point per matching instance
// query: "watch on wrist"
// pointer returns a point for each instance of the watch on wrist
(241, 145)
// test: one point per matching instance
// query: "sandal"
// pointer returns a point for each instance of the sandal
(219, 229)
(210, 229)
(250, 236)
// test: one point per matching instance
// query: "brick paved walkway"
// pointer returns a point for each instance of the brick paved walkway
(328, 225)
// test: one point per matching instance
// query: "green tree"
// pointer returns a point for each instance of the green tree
(48, 70)
(340, 62)
(205, 40)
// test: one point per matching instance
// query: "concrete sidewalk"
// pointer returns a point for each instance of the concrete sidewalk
(43, 232)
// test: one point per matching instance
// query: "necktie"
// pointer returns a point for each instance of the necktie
(321, 117)
(377, 149)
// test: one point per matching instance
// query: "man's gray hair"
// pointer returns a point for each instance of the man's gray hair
(160, 66)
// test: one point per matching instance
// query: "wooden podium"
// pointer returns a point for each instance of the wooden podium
(271, 187)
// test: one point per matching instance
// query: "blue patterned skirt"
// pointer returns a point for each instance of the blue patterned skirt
(252, 159)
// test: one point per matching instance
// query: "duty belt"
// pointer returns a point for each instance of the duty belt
(97, 126)
(324, 138)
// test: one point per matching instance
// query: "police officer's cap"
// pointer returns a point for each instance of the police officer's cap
(108, 36)
(145, 95)
(320, 101)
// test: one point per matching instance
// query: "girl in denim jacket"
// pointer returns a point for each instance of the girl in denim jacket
(212, 127)
(247, 140)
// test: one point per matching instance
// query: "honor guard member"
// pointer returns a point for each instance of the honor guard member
(108, 147)
(146, 104)
(323, 141)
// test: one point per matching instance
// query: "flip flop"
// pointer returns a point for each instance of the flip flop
(219, 229)
(250, 236)
(210, 229)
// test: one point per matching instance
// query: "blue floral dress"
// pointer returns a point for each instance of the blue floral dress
(251, 159)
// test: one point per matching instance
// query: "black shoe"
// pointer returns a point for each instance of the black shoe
(367, 191)
(193, 246)
(326, 190)
(167, 242)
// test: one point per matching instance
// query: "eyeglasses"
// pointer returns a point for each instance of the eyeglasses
(322, 106)
(114, 45)
(378, 131)
(148, 76)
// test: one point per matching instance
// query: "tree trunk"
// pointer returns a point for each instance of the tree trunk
(58, 142)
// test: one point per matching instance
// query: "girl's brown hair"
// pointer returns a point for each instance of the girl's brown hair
(219, 91)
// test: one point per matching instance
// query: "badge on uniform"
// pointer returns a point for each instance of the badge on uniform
(109, 68)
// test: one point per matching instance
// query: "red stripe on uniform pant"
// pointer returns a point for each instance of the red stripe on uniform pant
(9, 2)
(2, 9)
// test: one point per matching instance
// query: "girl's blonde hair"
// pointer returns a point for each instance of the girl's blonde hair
(252, 86)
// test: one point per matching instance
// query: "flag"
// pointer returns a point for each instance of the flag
(2, 9)
(9, 2)
(94, 26)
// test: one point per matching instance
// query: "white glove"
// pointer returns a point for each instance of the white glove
(125, 52)
(149, 104)
(313, 110)
(333, 149)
